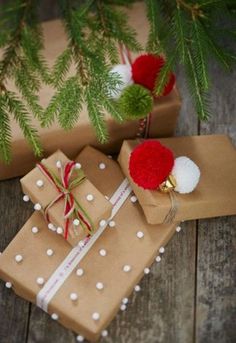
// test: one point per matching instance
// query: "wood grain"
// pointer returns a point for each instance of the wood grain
(216, 281)
(43, 329)
(14, 311)
(216, 264)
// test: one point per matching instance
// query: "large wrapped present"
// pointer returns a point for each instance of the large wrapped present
(72, 205)
(84, 287)
(161, 121)
(216, 159)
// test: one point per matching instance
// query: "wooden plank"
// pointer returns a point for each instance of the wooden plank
(13, 317)
(14, 311)
(223, 104)
(215, 293)
(43, 329)
(216, 281)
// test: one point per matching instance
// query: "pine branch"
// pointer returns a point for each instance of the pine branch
(65, 104)
(5, 132)
(88, 51)
(32, 45)
(155, 18)
(29, 85)
(199, 96)
(96, 115)
(61, 67)
(113, 23)
(189, 40)
(10, 56)
(164, 74)
(111, 107)
(200, 54)
(179, 30)
(22, 62)
(17, 108)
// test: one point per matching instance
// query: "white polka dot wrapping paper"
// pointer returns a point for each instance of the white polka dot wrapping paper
(100, 285)
(52, 187)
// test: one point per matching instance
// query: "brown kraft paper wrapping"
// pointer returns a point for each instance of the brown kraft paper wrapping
(162, 124)
(98, 209)
(215, 194)
(121, 243)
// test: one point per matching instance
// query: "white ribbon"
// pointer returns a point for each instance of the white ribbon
(67, 266)
(124, 52)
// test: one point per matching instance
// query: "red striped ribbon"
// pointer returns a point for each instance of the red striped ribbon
(64, 188)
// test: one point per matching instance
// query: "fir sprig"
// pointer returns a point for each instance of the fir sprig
(94, 30)
(5, 131)
(20, 114)
(19, 64)
(65, 104)
(190, 43)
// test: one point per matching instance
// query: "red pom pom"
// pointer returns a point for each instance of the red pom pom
(145, 70)
(150, 164)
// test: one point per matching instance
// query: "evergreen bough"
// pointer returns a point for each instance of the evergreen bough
(187, 32)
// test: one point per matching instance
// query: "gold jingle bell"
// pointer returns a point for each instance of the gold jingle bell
(168, 185)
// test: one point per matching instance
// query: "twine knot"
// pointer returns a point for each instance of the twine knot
(64, 184)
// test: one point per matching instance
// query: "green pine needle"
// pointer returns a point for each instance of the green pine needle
(201, 54)
(61, 67)
(154, 15)
(65, 104)
(96, 116)
(5, 133)
(29, 85)
(179, 31)
(17, 108)
(163, 77)
(199, 96)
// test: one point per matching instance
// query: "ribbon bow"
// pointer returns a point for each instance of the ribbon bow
(64, 186)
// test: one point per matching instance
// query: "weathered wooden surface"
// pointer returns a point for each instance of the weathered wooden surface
(188, 297)
(14, 311)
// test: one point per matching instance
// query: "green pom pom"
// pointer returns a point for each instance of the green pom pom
(135, 102)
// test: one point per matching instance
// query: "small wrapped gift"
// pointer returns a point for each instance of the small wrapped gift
(72, 205)
(182, 178)
(84, 287)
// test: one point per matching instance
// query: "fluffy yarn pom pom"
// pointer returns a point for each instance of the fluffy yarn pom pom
(125, 76)
(150, 163)
(186, 174)
(135, 102)
(145, 70)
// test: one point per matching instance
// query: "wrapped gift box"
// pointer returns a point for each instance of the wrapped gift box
(162, 120)
(93, 206)
(131, 246)
(215, 194)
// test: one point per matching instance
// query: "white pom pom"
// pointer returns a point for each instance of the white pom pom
(125, 76)
(186, 174)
